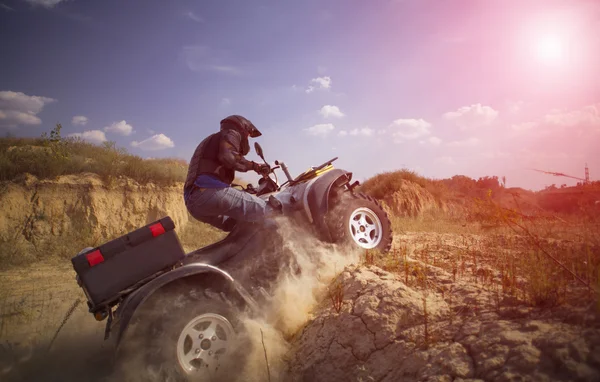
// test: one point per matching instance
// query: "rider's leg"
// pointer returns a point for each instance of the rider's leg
(230, 202)
(241, 205)
(199, 205)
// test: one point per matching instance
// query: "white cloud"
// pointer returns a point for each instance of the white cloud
(200, 58)
(79, 120)
(514, 107)
(319, 83)
(45, 3)
(93, 136)
(580, 122)
(466, 142)
(154, 143)
(12, 118)
(331, 111)
(524, 126)
(121, 128)
(445, 160)
(365, 132)
(495, 154)
(342, 133)
(588, 116)
(410, 128)
(435, 141)
(226, 69)
(192, 16)
(17, 108)
(474, 116)
(321, 130)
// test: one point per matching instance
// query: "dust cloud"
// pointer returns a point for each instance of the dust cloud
(294, 297)
(81, 354)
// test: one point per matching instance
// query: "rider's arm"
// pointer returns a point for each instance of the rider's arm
(229, 152)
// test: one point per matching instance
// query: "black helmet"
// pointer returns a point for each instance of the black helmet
(243, 125)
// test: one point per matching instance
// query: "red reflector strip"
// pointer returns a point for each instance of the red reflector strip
(94, 258)
(157, 229)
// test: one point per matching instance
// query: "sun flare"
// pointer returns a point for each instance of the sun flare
(550, 49)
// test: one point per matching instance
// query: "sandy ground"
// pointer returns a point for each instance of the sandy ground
(34, 302)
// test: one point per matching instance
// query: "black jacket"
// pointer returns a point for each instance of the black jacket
(220, 154)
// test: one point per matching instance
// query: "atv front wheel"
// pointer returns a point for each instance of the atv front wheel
(359, 220)
(185, 337)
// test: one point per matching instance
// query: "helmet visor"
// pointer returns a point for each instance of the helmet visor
(253, 131)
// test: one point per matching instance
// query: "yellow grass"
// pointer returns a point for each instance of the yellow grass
(48, 157)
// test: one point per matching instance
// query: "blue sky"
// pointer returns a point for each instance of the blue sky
(465, 87)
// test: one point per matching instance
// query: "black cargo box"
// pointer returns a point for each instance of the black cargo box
(106, 271)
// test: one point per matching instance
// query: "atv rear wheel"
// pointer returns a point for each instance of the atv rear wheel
(189, 336)
(359, 220)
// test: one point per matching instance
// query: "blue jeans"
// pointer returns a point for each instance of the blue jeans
(215, 205)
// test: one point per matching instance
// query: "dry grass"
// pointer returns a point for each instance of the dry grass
(541, 261)
(455, 189)
(499, 238)
(336, 294)
(51, 156)
(387, 183)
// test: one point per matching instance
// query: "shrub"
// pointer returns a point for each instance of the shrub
(389, 182)
(52, 155)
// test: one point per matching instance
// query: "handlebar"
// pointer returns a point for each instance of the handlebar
(290, 180)
(285, 170)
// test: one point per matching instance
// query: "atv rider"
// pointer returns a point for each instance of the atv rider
(208, 194)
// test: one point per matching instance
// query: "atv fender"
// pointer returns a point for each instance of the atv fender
(318, 194)
(137, 298)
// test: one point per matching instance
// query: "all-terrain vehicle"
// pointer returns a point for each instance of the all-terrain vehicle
(179, 313)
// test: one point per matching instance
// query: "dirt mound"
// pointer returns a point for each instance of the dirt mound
(410, 199)
(387, 331)
(42, 210)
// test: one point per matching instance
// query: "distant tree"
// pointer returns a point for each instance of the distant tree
(55, 141)
(489, 183)
(462, 184)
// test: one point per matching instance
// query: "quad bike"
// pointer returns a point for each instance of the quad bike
(179, 313)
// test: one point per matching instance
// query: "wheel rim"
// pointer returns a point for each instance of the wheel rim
(204, 342)
(365, 228)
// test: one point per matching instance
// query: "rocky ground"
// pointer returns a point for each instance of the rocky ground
(387, 331)
(418, 320)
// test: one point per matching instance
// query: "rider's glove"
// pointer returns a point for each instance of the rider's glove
(262, 169)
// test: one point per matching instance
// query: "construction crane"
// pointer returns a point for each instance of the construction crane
(586, 180)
